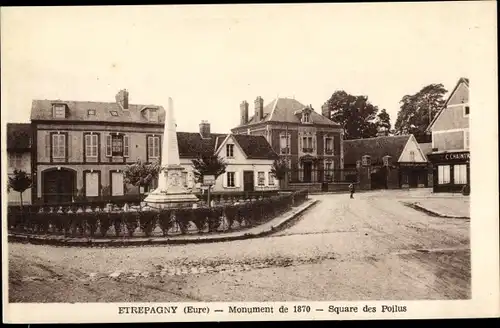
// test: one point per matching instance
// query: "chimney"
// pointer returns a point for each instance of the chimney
(243, 113)
(259, 108)
(205, 129)
(122, 99)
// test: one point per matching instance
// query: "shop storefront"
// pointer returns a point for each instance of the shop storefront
(451, 170)
(413, 175)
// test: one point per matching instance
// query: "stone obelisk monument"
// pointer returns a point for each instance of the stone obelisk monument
(171, 191)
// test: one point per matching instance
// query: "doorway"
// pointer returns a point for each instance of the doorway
(248, 181)
(58, 185)
(307, 171)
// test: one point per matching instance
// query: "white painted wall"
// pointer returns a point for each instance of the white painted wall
(412, 146)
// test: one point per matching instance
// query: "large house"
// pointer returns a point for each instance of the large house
(249, 160)
(19, 143)
(311, 142)
(450, 141)
(390, 161)
(82, 147)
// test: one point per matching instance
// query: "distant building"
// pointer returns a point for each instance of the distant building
(388, 162)
(249, 160)
(450, 154)
(19, 143)
(311, 142)
(82, 147)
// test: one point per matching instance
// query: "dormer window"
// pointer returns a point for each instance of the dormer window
(91, 112)
(306, 118)
(467, 110)
(153, 115)
(59, 111)
(114, 113)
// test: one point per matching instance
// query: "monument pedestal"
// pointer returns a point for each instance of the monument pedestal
(171, 193)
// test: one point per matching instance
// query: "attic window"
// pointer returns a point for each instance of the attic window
(467, 110)
(153, 115)
(91, 112)
(306, 118)
(59, 111)
(114, 113)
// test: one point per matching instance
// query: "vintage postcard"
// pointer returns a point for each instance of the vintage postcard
(249, 162)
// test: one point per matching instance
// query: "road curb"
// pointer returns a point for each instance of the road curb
(39, 240)
(420, 208)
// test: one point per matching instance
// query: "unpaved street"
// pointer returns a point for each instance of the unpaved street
(371, 247)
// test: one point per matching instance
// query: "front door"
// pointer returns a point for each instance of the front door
(248, 181)
(58, 186)
(413, 178)
(307, 171)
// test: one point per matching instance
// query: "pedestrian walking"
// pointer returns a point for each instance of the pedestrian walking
(351, 190)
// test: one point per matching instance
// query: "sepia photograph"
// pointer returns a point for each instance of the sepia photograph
(246, 153)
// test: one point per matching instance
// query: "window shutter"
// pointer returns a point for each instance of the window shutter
(236, 179)
(224, 179)
(108, 145)
(126, 146)
(67, 145)
(47, 145)
(266, 178)
(336, 144)
(256, 178)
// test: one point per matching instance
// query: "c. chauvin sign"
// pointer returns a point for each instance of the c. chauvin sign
(455, 156)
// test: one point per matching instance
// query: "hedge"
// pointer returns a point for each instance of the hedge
(91, 223)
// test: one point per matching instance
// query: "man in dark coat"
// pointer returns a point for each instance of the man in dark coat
(351, 190)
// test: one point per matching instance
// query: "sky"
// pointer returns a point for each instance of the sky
(211, 58)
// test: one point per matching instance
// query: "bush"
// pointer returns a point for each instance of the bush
(199, 217)
(182, 217)
(230, 212)
(116, 221)
(165, 220)
(466, 190)
(147, 221)
(131, 222)
(105, 222)
(214, 218)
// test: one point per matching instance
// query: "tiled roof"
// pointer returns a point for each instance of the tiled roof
(192, 145)
(78, 111)
(18, 136)
(284, 110)
(426, 148)
(255, 147)
(375, 147)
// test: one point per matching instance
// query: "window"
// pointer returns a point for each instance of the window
(460, 174)
(306, 118)
(59, 146)
(91, 184)
(91, 112)
(229, 150)
(328, 167)
(59, 111)
(91, 145)
(328, 145)
(285, 144)
(117, 184)
(271, 178)
(114, 113)
(412, 156)
(230, 179)
(153, 115)
(184, 179)
(153, 147)
(467, 110)
(443, 174)
(117, 145)
(307, 144)
(466, 139)
(261, 178)
(16, 161)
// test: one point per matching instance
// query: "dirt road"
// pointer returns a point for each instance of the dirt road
(371, 247)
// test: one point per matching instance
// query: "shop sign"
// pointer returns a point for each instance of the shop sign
(463, 156)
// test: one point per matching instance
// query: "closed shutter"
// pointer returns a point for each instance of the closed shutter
(256, 178)
(108, 145)
(117, 180)
(47, 145)
(67, 146)
(266, 179)
(126, 146)
(237, 179)
(224, 179)
(92, 184)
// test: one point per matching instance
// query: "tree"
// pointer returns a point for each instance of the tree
(418, 110)
(208, 164)
(141, 174)
(383, 121)
(19, 182)
(280, 170)
(355, 113)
